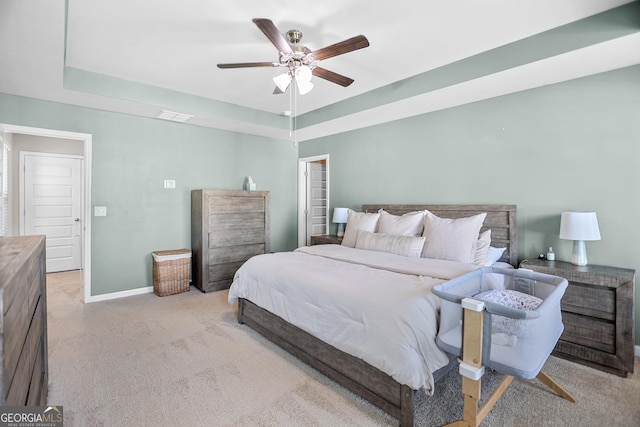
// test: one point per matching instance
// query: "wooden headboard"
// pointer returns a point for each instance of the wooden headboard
(501, 219)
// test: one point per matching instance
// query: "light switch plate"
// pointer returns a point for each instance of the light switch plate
(170, 184)
(100, 211)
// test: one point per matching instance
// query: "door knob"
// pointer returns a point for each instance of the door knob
(77, 220)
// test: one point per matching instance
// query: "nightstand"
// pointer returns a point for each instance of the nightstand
(597, 312)
(325, 239)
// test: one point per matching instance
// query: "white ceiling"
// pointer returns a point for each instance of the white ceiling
(176, 46)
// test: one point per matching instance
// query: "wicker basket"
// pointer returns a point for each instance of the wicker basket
(171, 271)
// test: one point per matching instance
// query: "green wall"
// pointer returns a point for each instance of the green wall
(568, 146)
(131, 158)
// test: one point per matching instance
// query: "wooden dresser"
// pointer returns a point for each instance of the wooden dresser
(227, 228)
(598, 314)
(24, 375)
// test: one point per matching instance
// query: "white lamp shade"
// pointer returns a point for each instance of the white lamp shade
(304, 87)
(340, 215)
(579, 226)
(303, 79)
(303, 73)
(282, 81)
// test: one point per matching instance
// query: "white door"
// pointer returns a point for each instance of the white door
(52, 206)
(316, 199)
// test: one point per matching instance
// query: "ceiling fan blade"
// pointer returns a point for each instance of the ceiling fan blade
(354, 43)
(336, 78)
(272, 33)
(248, 64)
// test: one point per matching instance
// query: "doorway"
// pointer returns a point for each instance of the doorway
(51, 137)
(51, 204)
(313, 197)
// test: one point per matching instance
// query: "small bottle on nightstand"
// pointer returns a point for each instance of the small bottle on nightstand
(550, 255)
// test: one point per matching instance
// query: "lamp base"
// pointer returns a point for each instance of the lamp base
(340, 230)
(579, 254)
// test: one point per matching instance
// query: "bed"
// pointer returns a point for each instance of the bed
(375, 380)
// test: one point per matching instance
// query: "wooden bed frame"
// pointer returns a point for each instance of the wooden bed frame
(351, 372)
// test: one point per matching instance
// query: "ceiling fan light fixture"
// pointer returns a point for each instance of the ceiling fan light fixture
(282, 81)
(304, 87)
(303, 73)
(303, 79)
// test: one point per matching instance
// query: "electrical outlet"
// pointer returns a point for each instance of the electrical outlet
(170, 184)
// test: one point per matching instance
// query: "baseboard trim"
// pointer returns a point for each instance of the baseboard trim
(638, 351)
(123, 294)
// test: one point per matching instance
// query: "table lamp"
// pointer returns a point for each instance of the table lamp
(340, 216)
(579, 226)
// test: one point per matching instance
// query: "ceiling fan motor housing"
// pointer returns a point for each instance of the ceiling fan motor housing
(294, 36)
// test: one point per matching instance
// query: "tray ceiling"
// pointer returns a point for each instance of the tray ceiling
(123, 55)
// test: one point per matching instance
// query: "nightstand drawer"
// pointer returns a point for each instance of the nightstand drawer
(589, 331)
(590, 300)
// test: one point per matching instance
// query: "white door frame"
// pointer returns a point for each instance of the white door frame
(302, 194)
(86, 186)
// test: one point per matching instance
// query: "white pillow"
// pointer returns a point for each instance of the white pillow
(409, 224)
(482, 248)
(358, 221)
(493, 255)
(409, 246)
(451, 239)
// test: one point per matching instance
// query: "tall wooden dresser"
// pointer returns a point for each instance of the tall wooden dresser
(227, 228)
(23, 325)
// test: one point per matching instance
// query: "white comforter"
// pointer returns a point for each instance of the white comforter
(372, 305)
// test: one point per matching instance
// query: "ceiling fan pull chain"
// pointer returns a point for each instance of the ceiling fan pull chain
(294, 93)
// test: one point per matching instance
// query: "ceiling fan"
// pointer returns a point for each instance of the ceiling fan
(301, 62)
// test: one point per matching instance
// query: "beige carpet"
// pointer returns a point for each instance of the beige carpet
(183, 360)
